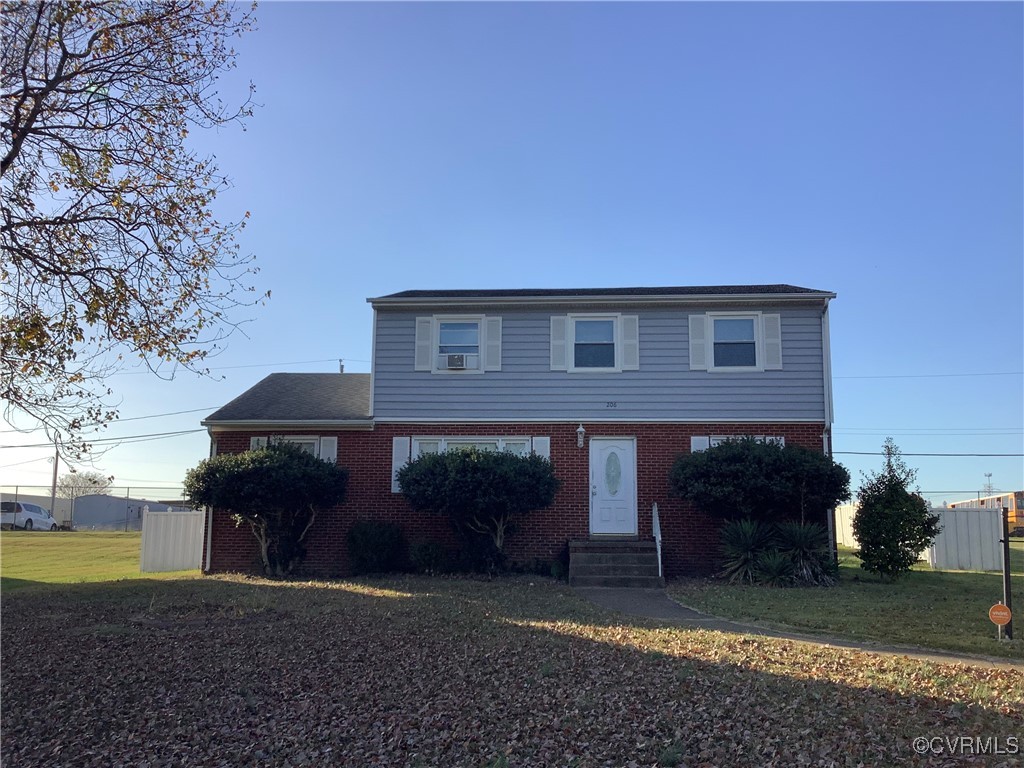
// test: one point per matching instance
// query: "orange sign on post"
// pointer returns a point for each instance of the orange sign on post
(999, 615)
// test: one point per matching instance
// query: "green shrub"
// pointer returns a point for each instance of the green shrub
(478, 554)
(808, 549)
(481, 492)
(431, 558)
(278, 491)
(893, 525)
(745, 477)
(773, 569)
(743, 541)
(376, 547)
(777, 555)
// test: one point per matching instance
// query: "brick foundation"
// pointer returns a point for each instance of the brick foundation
(690, 541)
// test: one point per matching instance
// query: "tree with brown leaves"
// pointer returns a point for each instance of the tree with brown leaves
(111, 249)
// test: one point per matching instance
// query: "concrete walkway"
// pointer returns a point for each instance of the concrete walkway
(656, 604)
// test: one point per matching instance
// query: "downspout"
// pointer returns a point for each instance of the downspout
(208, 554)
(826, 437)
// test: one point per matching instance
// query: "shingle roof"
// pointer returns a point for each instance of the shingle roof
(680, 290)
(300, 397)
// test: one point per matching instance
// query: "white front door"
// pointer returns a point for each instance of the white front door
(613, 486)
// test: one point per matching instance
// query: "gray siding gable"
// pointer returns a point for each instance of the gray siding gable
(663, 389)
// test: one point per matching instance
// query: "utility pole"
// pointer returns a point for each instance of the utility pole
(988, 484)
(53, 487)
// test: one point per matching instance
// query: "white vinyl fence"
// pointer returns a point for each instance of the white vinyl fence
(171, 541)
(844, 526)
(969, 540)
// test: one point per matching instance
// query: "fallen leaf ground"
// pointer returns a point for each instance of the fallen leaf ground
(422, 672)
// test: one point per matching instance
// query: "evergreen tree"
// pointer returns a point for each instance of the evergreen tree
(893, 524)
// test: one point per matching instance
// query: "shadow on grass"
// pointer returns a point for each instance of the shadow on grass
(8, 583)
(453, 672)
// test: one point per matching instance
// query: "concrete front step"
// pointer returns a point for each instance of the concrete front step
(603, 569)
(636, 582)
(612, 545)
(614, 563)
(612, 558)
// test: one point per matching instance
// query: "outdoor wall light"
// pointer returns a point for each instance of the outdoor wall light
(580, 432)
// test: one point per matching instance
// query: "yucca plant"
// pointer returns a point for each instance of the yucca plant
(742, 542)
(807, 547)
(773, 569)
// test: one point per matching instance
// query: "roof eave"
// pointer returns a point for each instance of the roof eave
(620, 300)
(249, 424)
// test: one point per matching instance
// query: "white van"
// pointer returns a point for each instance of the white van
(30, 517)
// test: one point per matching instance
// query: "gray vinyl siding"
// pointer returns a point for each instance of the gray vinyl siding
(664, 388)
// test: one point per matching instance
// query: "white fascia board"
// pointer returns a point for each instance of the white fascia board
(454, 420)
(618, 300)
(373, 357)
(240, 426)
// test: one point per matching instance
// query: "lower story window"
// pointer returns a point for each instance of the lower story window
(719, 439)
(701, 443)
(309, 443)
(517, 445)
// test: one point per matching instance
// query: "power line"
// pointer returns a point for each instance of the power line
(877, 453)
(126, 439)
(121, 421)
(922, 433)
(257, 365)
(931, 375)
(30, 461)
(974, 490)
(927, 429)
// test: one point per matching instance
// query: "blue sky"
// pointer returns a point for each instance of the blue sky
(871, 149)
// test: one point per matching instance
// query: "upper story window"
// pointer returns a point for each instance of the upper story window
(593, 343)
(737, 342)
(458, 344)
(598, 343)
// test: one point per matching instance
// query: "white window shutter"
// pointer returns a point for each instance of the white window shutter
(492, 350)
(329, 449)
(698, 342)
(559, 345)
(399, 458)
(424, 343)
(542, 446)
(772, 342)
(630, 343)
(699, 443)
(255, 443)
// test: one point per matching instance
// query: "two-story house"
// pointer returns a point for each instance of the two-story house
(610, 384)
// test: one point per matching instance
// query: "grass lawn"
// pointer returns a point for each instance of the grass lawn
(933, 609)
(1016, 555)
(445, 672)
(29, 558)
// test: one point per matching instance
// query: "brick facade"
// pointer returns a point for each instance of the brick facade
(690, 540)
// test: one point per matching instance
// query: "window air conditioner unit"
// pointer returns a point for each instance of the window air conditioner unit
(455, 362)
